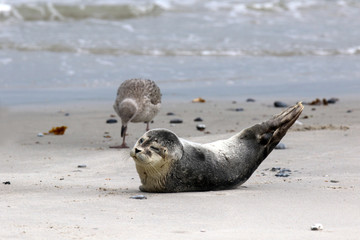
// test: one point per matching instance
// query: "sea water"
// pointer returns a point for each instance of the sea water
(71, 50)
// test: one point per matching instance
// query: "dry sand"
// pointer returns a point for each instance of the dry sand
(49, 197)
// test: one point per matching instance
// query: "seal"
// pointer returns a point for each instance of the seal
(166, 163)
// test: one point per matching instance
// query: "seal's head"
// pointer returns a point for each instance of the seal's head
(156, 147)
(154, 153)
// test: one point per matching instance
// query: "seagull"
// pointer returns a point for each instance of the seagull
(137, 100)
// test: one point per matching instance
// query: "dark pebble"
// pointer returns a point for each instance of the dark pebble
(274, 169)
(176, 121)
(280, 146)
(67, 114)
(170, 114)
(280, 104)
(198, 119)
(250, 100)
(332, 100)
(349, 111)
(283, 173)
(6, 183)
(279, 174)
(200, 127)
(334, 181)
(138, 197)
(239, 109)
(110, 121)
(81, 166)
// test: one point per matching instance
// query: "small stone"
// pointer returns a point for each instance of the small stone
(40, 134)
(283, 173)
(198, 119)
(198, 100)
(334, 181)
(280, 146)
(325, 102)
(170, 114)
(62, 178)
(67, 114)
(274, 169)
(176, 121)
(6, 183)
(250, 100)
(280, 104)
(239, 109)
(200, 127)
(317, 101)
(349, 111)
(297, 122)
(317, 227)
(138, 197)
(81, 166)
(110, 121)
(285, 170)
(332, 100)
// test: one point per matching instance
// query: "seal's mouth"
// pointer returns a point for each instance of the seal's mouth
(132, 153)
(139, 157)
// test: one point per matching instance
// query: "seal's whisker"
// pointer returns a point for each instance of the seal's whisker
(157, 171)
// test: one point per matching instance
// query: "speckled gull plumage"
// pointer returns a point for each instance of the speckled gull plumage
(137, 100)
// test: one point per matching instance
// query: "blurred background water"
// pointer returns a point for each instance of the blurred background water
(72, 50)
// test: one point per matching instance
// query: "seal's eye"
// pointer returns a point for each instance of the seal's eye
(141, 140)
(155, 149)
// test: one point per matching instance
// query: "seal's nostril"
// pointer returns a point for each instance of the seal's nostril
(137, 150)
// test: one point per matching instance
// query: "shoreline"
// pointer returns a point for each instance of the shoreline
(38, 97)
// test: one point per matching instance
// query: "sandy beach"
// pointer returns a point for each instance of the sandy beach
(45, 195)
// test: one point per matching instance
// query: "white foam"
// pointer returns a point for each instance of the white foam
(164, 4)
(322, 52)
(264, 6)
(54, 13)
(5, 8)
(352, 51)
(128, 27)
(216, 6)
(104, 62)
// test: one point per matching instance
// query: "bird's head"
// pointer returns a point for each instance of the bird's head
(127, 110)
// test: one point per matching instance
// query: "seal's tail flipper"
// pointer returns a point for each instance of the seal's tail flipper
(274, 129)
(269, 133)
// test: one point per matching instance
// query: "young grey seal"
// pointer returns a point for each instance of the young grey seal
(166, 163)
(137, 100)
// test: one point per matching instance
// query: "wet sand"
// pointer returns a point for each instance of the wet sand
(50, 197)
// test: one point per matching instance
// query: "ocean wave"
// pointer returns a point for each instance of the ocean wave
(58, 48)
(47, 11)
(50, 10)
